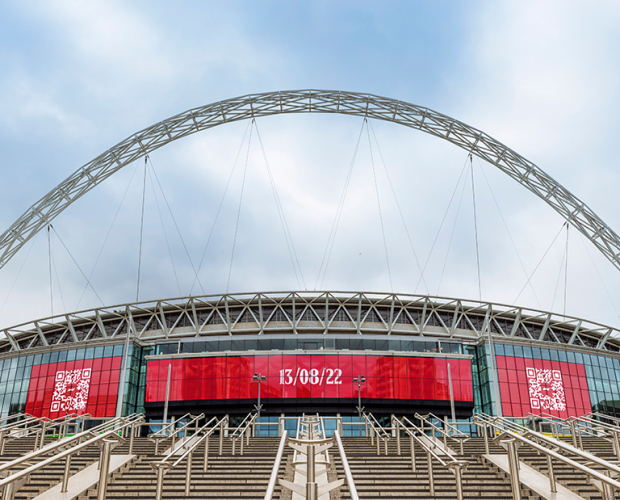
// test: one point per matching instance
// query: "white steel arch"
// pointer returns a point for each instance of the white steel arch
(468, 138)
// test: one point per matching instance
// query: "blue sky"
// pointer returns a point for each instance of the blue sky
(78, 77)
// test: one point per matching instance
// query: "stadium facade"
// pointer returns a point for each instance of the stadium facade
(413, 353)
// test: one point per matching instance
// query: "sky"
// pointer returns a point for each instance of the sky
(78, 77)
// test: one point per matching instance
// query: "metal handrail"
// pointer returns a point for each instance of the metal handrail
(163, 431)
(451, 463)
(5, 421)
(276, 466)
(378, 430)
(166, 433)
(166, 464)
(534, 439)
(21, 477)
(243, 430)
(347, 469)
(447, 431)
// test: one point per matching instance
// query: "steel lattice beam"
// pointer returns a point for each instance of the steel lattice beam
(311, 101)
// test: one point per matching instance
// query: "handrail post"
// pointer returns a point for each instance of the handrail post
(206, 458)
(485, 431)
(385, 442)
(311, 486)
(221, 436)
(242, 438)
(160, 483)
(445, 432)
(459, 482)
(65, 477)
(413, 464)
(188, 474)
(104, 469)
(513, 464)
(131, 438)
(378, 445)
(234, 441)
(551, 475)
(397, 437)
(431, 479)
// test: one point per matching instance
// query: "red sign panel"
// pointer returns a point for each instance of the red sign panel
(86, 386)
(542, 386)
(309, 376)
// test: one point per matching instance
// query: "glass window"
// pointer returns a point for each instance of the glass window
(71, 355)
(518, 350)
(363, 344)
(238, 345)
(571, 357)
(419, 346)
(536, 353)
(394, 345)
(212, 346)
(527, 352)
(264, 345)
(277, 344)
(252, 345)
(187, 347)
(99, 351)
(226, 345)
(79, 354)
(509, 350)
(118, 350)
(108, 351)
(554, 355)
(37, 359)
(406, 345)
(30, 360)
(562, 355)
(579, 357)
(546, 354)
(62, 356)
(200, 346)
(342, 344)
(21, 361)
(54, 357)
(499, 349)
(381, 345)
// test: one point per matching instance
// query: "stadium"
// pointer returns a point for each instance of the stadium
(367, 364)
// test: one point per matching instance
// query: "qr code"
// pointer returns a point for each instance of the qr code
(546, 389)
(71, 390)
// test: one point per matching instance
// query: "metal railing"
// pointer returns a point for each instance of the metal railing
(243, 431)
(171, 431)
(446, 431)
(169, 462)
(511, 436)
(433, 450)
(310, 441)
(107, 439)
(377, 432)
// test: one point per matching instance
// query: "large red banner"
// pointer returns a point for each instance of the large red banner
(537, 386)
(85, 386)
(309, 376)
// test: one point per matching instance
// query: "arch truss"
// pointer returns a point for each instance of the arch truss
(472, 140)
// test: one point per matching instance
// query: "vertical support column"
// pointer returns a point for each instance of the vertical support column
(104, 469)
(188, 474)
(412, 444)
(222, 435)
(65, 477)
(459, 482)
(311, 486)
(552, 484)
(513, 464)
(160, 483)
(431, 478)
(131, 439)
(397, 436)
(206, 458)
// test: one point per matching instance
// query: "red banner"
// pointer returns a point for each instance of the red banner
(86, 386)
(542, 386)
(309, 376)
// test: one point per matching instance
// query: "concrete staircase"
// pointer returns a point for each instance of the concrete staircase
(52, 475)
(378, 477)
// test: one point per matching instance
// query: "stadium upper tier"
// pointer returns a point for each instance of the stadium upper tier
(330, 313)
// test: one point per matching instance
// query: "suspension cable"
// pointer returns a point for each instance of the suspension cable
(557, 282)
(456, 218)
(245, 169)
(484, 175)
(566, 269)
(219, 208)
(18, 273)
(443, 220)
(77, 265)
(191, 263)
(107, 236)
(62, 298)
(334, 229)
(473, 196)
(49, 255)
(141, 231)
(402, 217)
(613, 304)
(374, 174)
(285, 228)
(539, 263)
(163, 226)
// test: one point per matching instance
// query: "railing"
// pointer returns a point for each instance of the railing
(447, 431)
(243, 431)
(511, 435)
(163, 466)
(376, 430)
(170, 431)
(65, 448)
(310, 441)
(442, 455)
